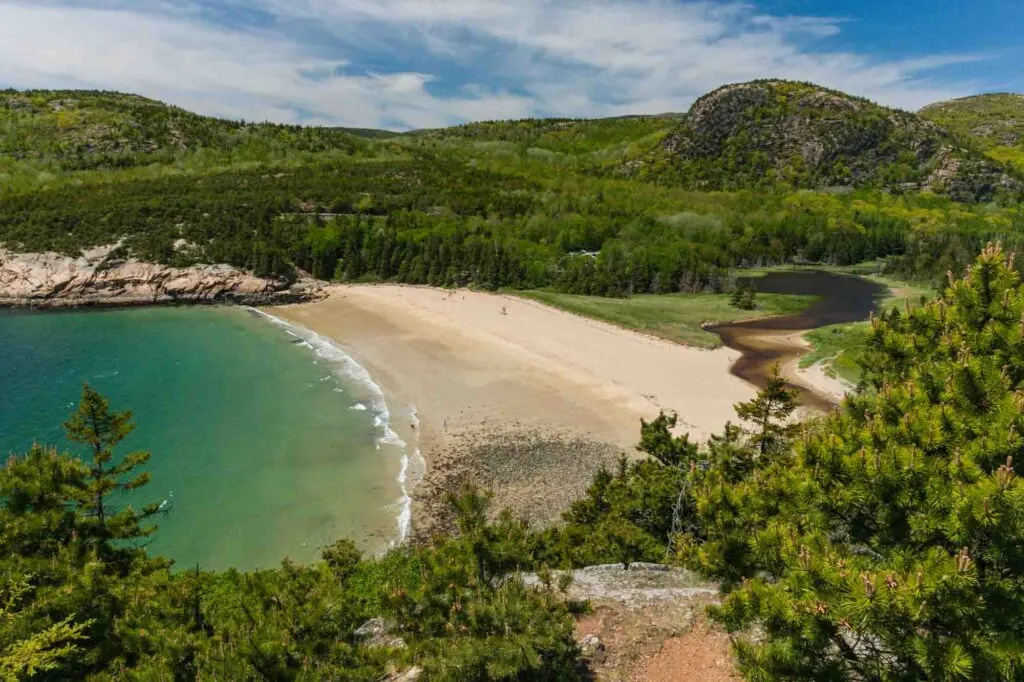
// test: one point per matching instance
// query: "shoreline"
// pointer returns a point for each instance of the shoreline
(815, 377)
(818, 392)
(526, 400)
(826, 392)
(408, 443)
(101, 277)
(542, 397)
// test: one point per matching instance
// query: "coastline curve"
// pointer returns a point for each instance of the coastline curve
(351, 370)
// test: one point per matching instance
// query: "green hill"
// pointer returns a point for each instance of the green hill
(995, 122)
(609, 207)
(798, 135)
(564, 136)
(600, 145)
(76, 130)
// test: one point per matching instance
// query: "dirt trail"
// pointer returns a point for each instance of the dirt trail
(649, 624)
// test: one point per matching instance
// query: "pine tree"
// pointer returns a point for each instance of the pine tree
(770, 413)
(657, 440)
(24, 656)
(42, 485)
(94, 425)
(888, 542)
(744, 297)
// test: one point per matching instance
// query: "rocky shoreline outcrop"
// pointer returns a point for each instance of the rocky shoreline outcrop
(97, 278)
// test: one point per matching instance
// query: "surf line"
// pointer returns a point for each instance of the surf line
(327, 349)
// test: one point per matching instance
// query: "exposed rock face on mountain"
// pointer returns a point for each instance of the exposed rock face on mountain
(53, 280)
(767, 133)
(637, 585)
(993, 120)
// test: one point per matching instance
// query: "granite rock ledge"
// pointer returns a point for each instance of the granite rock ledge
(96, 278)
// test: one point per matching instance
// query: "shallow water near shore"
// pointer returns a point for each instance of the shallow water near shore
(267, 441)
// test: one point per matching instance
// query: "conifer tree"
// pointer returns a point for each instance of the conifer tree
(41, 485)
(684, 500)
(888, 543)
(24, 656)
(744, 297)
(770, 413)
(657, 440)
(95, 425)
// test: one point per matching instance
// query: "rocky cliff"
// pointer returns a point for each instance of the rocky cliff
(52, 280)
(768, 133)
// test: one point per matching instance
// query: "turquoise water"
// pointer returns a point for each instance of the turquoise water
(260, 440)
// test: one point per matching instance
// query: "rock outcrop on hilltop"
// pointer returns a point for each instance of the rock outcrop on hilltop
(648, 622)
(52, 280)
(995, 120)
(769, 133)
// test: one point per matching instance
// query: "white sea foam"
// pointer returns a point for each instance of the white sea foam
(352, 370)
(358, 407)
(405, 504)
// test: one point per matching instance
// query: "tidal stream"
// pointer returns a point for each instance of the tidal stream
(766, 341)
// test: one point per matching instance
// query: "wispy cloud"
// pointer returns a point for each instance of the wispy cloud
(425, 63)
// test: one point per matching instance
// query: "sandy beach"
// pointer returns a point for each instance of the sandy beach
(513, 395)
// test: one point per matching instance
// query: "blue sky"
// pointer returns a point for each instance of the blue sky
(424, 63)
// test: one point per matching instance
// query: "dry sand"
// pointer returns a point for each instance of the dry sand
(515, 395)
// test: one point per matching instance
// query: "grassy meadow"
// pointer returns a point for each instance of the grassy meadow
(675, 317)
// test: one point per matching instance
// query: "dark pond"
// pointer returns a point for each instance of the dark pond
(764, 342)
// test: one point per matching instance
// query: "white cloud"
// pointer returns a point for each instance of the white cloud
(608, 56)
(251, 75)
(567, 57)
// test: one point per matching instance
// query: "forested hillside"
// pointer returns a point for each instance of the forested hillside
(591, 141)
(995, 122)
(798, 135)
(81, 129)
(583, 206)
(442, 222)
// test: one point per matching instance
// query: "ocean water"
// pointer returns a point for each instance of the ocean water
(268, 441)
